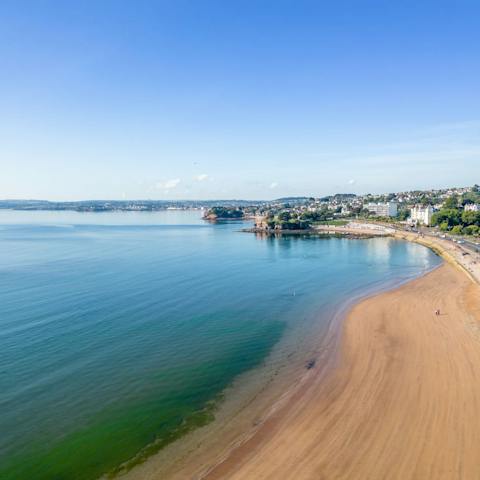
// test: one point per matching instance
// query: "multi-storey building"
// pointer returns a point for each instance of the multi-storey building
(387, 209)
(421, 214)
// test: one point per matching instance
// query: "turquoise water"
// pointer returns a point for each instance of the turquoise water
(118, 330)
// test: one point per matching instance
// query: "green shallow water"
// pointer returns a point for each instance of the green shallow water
(143, 427)
(119, 332)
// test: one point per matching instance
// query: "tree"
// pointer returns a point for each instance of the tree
(470, 197)
(450, 216)
(471, 230)
(356, 210)
(284, 216)
(457, 230)
(471, 218)
(451, 202)
(224, 212)
(403, 214)
(444, 226)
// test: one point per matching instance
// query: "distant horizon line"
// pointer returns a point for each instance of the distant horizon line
(4, 200)
(166, 200)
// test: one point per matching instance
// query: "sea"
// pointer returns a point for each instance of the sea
(121, 331)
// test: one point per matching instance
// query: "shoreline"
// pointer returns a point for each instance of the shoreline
(467, 261)
(323, 231)
(379, 415)
(209, 452)
(264, 456)
(457, 256)
(199, 454)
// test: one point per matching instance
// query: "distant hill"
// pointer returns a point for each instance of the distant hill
(291, 200)
(339, 197)
(111, 205)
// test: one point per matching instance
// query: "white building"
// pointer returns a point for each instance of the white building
(388, 209)
(472, 207)
(421, 214)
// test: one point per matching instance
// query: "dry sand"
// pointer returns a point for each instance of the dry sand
(402, 401)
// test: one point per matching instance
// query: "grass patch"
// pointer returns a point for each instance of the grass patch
(335, 223)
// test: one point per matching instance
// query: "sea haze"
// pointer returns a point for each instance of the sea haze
(118, 330)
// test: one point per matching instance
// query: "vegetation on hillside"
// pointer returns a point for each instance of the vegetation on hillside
(455, 219)
(224, 213)
(288, 221)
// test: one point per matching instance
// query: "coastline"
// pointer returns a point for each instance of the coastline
(402, 401)
(454, 254)
(459, 257)
(375, 402)
(358, 232)
(267, 396)
(388, 409)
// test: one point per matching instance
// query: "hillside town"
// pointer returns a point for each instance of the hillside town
(456, 210)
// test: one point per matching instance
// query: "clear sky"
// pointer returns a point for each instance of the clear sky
(237, 99)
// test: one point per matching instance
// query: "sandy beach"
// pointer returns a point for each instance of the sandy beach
(398, 400)
(403, 402)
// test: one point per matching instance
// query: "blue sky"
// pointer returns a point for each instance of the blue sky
(240, 99)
